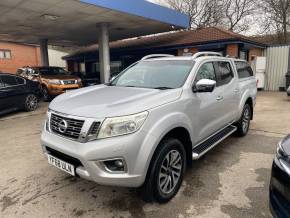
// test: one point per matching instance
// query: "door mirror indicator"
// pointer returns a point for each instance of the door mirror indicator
(204, 85)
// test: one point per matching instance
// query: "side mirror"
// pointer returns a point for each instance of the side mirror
(204, 85)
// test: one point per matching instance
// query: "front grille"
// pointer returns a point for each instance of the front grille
(64, 157)
(68, 82)
(73, 126)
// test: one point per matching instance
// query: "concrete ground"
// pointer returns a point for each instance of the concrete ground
(230, 181)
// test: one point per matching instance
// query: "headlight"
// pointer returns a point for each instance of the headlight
(117, 126)
(55, 81)
(280, 150)
(78, 80)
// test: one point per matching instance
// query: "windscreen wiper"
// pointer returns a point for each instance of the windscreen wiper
(163, 87)
(109, 84)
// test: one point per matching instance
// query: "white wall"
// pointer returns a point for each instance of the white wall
(55, 58)
(276, 67)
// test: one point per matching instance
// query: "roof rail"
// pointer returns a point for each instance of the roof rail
(156, 56)
(206, 53)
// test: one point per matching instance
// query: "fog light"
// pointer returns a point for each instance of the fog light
(119, 163)
(115, 165)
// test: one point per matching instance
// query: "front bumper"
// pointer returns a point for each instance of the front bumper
(279, 191)
(59, 89)
(288, 91)
(90, 154)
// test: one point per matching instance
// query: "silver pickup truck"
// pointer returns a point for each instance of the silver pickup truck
(145, 127)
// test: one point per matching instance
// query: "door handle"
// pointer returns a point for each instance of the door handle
(236, 90)
(219, 98)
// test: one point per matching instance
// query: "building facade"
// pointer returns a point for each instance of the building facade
(187, 42)
(14, 56)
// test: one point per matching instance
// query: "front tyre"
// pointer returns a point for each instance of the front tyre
(31, 102)
(166, 172)
(45, 94)
(244, 122)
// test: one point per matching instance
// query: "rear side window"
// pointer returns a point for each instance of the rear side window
(20, 81)
(1, 84)
(8, 80)
(244, 70)
(224, 72)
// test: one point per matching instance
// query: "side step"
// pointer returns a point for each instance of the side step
(211, 142)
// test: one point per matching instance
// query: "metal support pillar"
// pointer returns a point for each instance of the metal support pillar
(44, 52)
(104, 52)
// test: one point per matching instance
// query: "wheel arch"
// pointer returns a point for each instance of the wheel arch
(183, 135)
(246, 99)
(179, 132)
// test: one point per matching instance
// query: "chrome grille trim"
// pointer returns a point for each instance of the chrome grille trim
(69, 82)
(73, 129)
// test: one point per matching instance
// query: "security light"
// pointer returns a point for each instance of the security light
(50, 17)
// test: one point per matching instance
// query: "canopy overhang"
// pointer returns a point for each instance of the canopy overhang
(72, 22)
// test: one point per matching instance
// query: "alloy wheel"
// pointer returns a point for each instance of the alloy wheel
(170, 171)
(31, 102)
(246, 119)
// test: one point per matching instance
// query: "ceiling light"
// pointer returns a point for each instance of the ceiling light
(50, 17)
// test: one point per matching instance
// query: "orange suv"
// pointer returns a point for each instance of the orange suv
(53, 80)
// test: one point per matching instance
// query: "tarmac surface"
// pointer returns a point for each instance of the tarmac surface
(232, 180)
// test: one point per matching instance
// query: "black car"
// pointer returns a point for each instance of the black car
(17, 93)
(280, 180)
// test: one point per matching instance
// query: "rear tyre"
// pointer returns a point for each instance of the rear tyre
(166, 172)
(244, 122)
(45, 94)
(31, 102)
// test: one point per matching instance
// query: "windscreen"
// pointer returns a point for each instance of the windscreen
(161, 74)
(51, 71)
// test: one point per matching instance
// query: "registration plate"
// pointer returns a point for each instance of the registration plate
(69, 90)
(60, 164)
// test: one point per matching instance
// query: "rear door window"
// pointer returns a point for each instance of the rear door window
(244, 70)
(9, 80)
(224, 72)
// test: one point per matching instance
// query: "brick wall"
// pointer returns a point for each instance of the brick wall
(21, 55)
(233, 50)
(255, 52)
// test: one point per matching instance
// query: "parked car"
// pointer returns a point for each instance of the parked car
(145, 127)
(288, 91)
(280, 180)
(53, 80)
(17, 93)
(88, 78)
